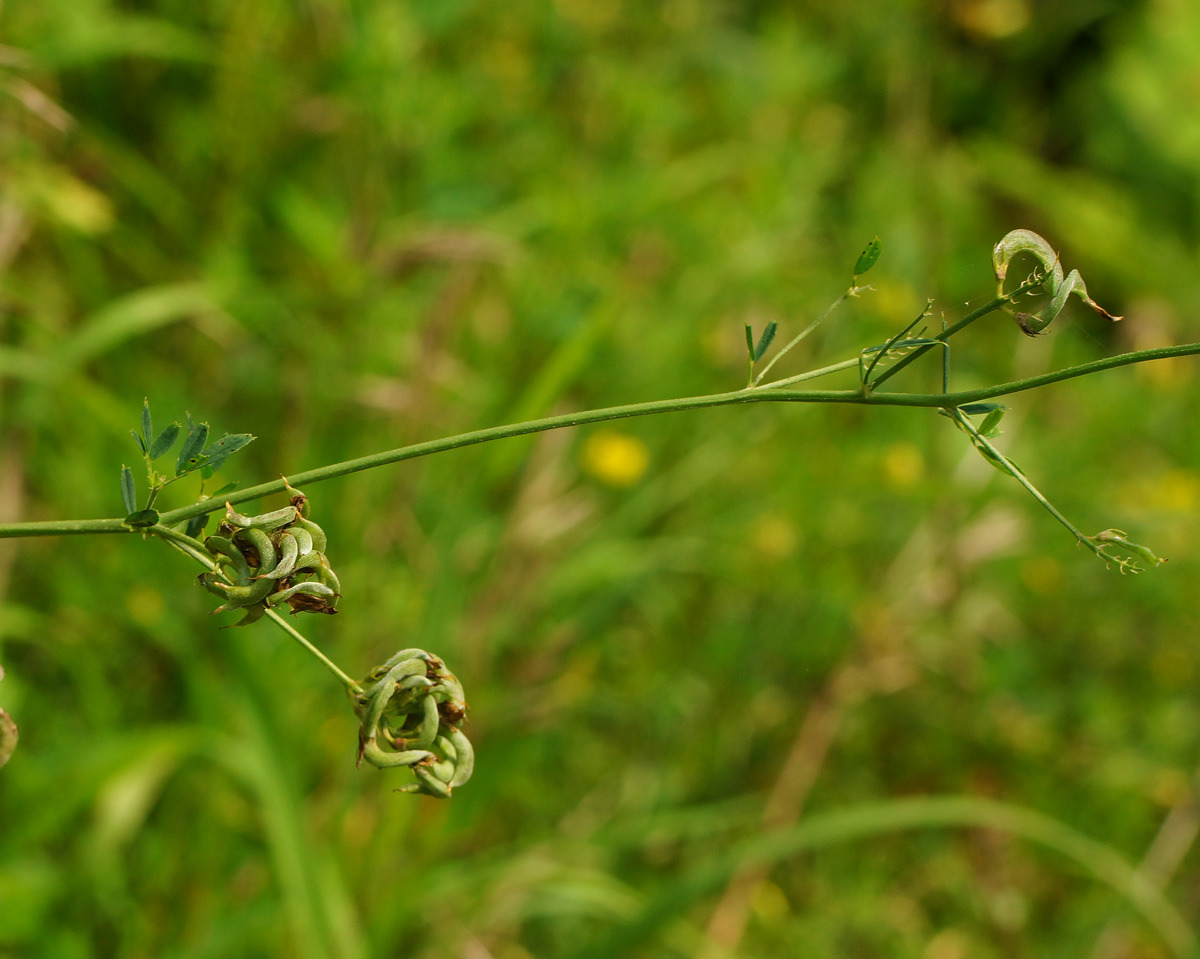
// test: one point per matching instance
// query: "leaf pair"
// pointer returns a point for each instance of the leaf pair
(158, 445)
(194, 455)
(757, 352)
(992, 414)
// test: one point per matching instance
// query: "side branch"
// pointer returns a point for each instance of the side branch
(762, 394)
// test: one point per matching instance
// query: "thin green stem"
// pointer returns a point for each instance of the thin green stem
(990, 307)
(186, 544)
(810, 375)
(771, 393)
(195, 549)
(288, 628)
(881, 352)
(1014, 471)
(853, 291)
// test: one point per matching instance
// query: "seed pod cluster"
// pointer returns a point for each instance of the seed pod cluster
(269, 560)
(411, 708)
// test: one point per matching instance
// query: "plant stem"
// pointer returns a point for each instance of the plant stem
(981, 441)
(288, 628)
(853, 291)
(991, 306)
(181, 541)
(810, 375)
(195, 549)
(769, 393)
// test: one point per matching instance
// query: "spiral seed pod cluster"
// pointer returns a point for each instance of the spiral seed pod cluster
(411, 708)
(270, 560)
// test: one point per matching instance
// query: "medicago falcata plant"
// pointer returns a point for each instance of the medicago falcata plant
(411, 708)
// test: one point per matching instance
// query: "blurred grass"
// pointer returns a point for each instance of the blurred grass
(345, 226)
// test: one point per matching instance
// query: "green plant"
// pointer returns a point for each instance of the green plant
(411, 707)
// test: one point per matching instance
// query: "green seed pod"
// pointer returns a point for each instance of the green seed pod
(1026, 241)
(311, 562)
(237, 596)
(304, 540)
(464, 756)
(431, 784)
(426, 731)
(381, 694)
(299, 500)
(377, 757)
(267, 521)
(306, 589)
(225, 551)
(405, 654)
(411, 705)
(443, 769)
(289, 549)
(329, 578)
(319, 540)
(262, 545)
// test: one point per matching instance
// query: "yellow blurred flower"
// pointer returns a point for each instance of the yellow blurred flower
(615, 459)
(903, 465)
(774, 536)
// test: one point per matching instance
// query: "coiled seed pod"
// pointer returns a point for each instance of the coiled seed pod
(271, 559)
(410, 709)
(1053, 282)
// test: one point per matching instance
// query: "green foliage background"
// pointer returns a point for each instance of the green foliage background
(347, 225)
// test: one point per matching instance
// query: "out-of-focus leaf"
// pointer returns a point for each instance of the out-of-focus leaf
(21, 364)
(128, 492)
(131, 316)
(103, 36)
(8, 737)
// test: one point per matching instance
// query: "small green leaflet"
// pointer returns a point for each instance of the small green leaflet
(164, 441)
(991, 424)
(974, 409)
(868, 257)
(764, 341)
(990, 427)
(128, 493)
(196, 525)
(189, 453)
(141, 519)
(147, 426)
(218, 452)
